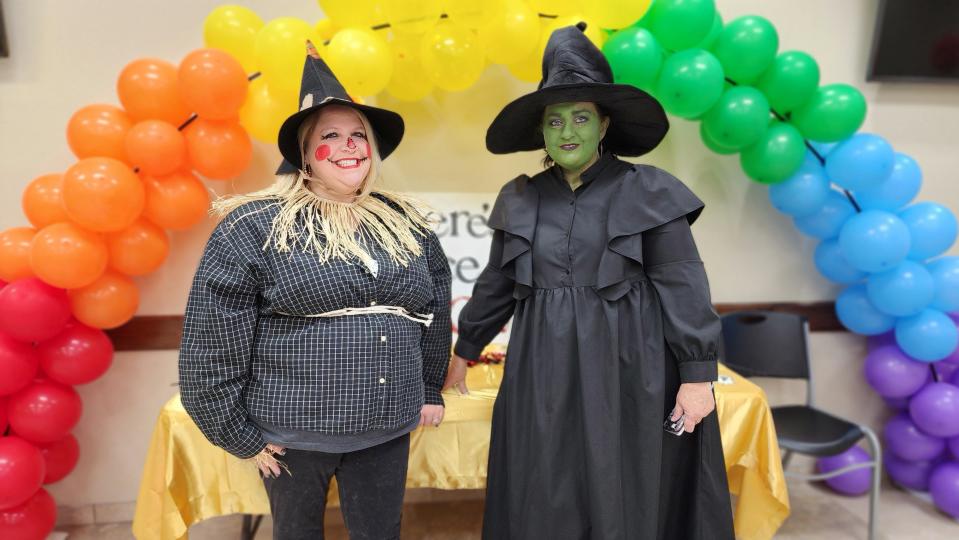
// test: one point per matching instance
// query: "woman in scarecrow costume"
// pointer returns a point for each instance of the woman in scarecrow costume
(613, 330)
(317, 331)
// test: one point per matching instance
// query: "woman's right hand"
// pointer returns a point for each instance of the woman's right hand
(266, 461)
(456, 375)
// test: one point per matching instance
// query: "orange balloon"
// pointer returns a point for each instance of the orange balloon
(156, 147)
(148, 90)
(213, 84)
(66, 256)
(98, 131)
(139, 249)
(176, 202)
(102, 194)
(15, 253)
(218, 149)
(108, 302)
(42, 200)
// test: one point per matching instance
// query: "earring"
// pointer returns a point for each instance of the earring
(307, 169)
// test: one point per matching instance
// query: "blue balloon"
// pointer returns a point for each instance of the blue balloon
(901, 187)
(933, 228)
(803, 193)
(929, 336)
(828, 221)
(833, 266)
(905, 290)
(857, 313)
(874, 241)
(861, 161)
(945, 274)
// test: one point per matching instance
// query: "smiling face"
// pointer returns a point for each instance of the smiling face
(572, 133)
(338, 150)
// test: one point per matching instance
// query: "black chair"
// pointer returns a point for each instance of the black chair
(775, 344)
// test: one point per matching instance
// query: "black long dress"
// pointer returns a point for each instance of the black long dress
(611, 313)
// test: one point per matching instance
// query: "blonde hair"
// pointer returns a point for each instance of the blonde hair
(333, 229)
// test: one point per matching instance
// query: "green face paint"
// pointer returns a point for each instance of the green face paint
(572, 132)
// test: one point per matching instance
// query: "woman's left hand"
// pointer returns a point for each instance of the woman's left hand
(696, 401)
(432, 415)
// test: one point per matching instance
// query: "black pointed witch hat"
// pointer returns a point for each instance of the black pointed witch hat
(575, 70)
(320, 88)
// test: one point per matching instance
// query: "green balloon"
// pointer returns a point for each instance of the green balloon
(790, 81)
(746, 47)
(635, 56)
(739, 118)
(713, 35)
(690, 83)
(713, 145)
(776, 156)
(680, 24)
(834, 112)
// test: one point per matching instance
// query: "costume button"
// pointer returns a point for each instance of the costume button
(373, 303)
(382, 380)
(382, 338)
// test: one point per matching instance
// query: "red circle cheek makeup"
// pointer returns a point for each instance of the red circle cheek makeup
(322, 152)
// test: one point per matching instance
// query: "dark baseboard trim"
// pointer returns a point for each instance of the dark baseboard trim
(162, 332)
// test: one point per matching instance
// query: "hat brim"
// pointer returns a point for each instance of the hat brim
(637, 121)
(388, 128)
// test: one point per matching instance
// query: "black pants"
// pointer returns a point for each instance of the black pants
(371, 484)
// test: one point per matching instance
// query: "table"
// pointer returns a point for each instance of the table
(186, 479)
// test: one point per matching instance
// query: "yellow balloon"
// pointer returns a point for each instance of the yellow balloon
(615, 14)
(409, 81)
(361, 60)
(326, 29)
(555, 7)
(412, 17)
(511, 34)
(233, 29)
(529, 69)
(281, 51)
(475, 14)
(359, 13)
(263, 113)
(452, 56)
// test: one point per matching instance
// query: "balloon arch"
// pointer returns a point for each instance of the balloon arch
(102, 221)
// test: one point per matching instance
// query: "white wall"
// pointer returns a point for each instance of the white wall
(67, 54)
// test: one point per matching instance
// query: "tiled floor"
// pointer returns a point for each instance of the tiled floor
(817, 514)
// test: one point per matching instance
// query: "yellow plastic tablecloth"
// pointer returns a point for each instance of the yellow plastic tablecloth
(186, 479)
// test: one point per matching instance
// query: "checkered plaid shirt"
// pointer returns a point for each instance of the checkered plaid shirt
(241, 359)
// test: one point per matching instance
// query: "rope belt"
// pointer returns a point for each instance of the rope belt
(425, 320)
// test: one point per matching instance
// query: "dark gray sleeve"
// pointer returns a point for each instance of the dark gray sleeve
(217, 346)
(691, 324)
(435, 342)
(490, 307)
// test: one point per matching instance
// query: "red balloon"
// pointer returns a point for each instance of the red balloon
(31, 310)
(45, 411)
(4, 420)
(18, 364)
(21, 471)
(77, 355)
(61, 458)
(32, 520)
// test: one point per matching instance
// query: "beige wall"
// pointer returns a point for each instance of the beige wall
(67, 54)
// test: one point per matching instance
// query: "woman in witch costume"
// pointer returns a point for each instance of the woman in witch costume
(613, 329)
(317, 331)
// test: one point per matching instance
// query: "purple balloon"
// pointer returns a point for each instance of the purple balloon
(944, 487)
(955, 378)
(900, 404)
(953, 445)
(908, 442)
(874, 342)
(946, 371)
(935, 409)
(910, 474)
(854, 482)
(893, 374)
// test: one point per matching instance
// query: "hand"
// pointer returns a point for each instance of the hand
(266, 461)
(696, 401)
(432, 415)
(456, 375)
